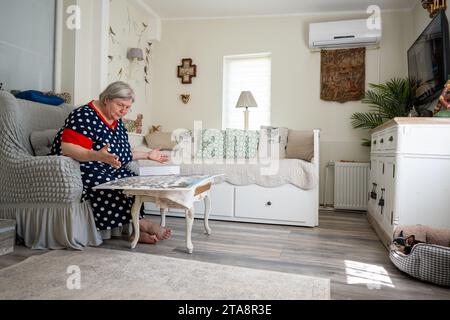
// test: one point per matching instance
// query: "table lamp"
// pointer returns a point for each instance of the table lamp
(246, 101)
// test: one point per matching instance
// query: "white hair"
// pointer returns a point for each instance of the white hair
(117, 90)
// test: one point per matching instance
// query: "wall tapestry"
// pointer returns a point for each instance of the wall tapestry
(343, 74)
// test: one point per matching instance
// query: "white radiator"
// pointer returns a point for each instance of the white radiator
(351, 185)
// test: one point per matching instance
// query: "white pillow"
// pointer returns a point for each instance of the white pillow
(271, 137)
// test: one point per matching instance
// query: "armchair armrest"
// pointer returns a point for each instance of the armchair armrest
(48, 179)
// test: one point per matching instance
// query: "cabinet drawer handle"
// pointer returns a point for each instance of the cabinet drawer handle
(268, 203)
(381, 141)
(373, 193)
(391, 138)
(374, 141)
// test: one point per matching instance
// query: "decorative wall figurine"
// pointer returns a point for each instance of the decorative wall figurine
(147, 62)
(134, 126)
(156, 128)
(138, 123)
(130, 125)
(185, 98)
(187, 71)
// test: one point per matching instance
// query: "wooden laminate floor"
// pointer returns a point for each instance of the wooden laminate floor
(343, 248)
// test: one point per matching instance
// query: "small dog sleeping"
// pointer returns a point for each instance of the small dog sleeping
(405, 244)
(407, 236)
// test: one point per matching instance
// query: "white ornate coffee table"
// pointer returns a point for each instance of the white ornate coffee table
(173, 191)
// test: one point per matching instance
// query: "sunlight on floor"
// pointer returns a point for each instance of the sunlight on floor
(369, 274)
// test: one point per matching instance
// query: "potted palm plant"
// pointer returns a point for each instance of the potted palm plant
(394, 98)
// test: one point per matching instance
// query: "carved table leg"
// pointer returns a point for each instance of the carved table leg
(135, 215)
(163, 212)
(189, 222)
(207, 201)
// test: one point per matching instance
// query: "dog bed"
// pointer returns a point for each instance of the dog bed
(428, 261)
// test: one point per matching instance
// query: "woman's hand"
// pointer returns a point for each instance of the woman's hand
(106, 157)
(157, 155)
(81, 154)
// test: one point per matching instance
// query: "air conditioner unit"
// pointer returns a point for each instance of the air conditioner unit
(343, 34)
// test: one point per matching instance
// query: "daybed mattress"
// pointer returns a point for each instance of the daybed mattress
(288, 171)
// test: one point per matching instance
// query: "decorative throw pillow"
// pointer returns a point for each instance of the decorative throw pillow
(241, 144)
(183, 139)
(300, 145)
(273, 139)
(41, 141)
(162, 140)
(252, 144)
(63, 95)
(211, 145)
(235, 144)
(40, 97)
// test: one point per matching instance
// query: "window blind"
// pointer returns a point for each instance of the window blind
(246, 73)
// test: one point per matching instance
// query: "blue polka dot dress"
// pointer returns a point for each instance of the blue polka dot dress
(85, 126)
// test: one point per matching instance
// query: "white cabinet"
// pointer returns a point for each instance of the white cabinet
(409, 175)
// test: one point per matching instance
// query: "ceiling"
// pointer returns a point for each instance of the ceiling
(182, 9)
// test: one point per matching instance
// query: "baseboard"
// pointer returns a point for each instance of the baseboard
(382, 235)
(326, 208)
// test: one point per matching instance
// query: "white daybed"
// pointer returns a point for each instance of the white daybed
(291, 197)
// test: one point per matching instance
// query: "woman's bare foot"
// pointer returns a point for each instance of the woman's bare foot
(145, 237)
(161, 233)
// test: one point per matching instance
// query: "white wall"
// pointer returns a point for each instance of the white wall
(91, 50)
(83, 64)
(85, 67)
(295, 75)
(126, 20)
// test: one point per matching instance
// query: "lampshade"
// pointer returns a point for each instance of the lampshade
(135, 53)
(246, 100)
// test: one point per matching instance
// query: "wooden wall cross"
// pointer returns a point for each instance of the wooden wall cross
(187, 71)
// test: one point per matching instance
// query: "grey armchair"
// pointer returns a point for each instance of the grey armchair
(43, 194)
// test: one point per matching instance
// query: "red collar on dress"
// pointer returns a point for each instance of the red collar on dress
(111, 126)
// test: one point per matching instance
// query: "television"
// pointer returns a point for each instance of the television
(429, 58)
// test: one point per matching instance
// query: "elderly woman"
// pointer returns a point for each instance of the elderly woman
(95, 135)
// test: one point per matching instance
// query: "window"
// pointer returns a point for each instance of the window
(246, 73)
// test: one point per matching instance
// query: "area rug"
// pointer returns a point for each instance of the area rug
(110, 274)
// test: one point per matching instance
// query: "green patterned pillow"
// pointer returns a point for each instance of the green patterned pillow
(252, 144)
(241, 144)
(235, 144)
(211, 145)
